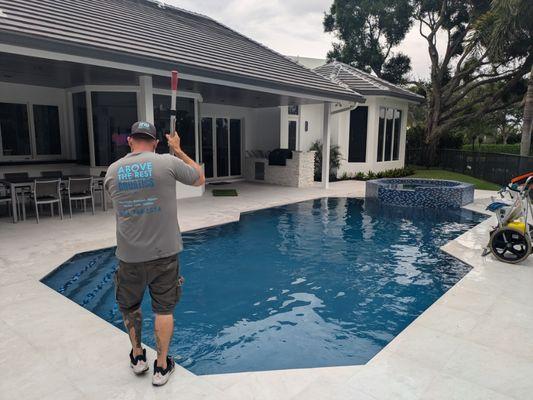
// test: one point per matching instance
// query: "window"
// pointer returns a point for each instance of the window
(222, 146)
(207, 146)
(14, 130)
(79, 109)
(389, 115)
(185, 123)
(292, 135)
(358, 133)
(235, 146)
(381, 131)
(47, 131)
(389, 134)
(397, 131)
(113, 115)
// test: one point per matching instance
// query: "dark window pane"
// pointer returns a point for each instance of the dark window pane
(358, 132)
(14, 129)
(292, 135)
(222, 147)
(79, 108)
(184, 123)
(397, 131)
(294, 109)
(113, 115)
(235, 146)
(47, 133)
(207, 146)
(381, 133)
(388, 134)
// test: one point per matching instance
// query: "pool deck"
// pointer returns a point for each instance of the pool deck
(475, 342)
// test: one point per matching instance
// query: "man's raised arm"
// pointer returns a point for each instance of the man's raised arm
(174, 143)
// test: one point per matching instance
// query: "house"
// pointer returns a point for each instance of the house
(371, 137)
(75, 75)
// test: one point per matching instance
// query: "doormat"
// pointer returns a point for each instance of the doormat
(224, 192)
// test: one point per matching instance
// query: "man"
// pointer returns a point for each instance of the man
(142, 186)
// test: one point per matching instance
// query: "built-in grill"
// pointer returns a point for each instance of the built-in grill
(279, 157)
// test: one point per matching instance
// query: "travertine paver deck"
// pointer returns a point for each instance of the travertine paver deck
(473, 343)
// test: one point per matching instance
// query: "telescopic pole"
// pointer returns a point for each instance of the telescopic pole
(174, 88)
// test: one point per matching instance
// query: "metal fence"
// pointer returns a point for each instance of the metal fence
(492, 167)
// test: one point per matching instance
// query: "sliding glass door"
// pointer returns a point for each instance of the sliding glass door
(221, 147)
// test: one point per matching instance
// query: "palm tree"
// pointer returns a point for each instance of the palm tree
(510, 24)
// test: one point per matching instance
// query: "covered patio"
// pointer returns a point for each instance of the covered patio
(63, 118)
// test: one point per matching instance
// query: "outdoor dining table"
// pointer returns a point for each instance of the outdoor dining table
(15, 183)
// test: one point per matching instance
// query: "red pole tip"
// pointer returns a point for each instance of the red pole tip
(174, 80)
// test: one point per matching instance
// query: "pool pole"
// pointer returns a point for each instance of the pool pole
(174, 89)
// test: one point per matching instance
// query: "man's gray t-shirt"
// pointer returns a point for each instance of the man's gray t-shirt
(143, 189)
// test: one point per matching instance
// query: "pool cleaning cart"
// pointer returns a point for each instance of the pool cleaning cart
(510, 241)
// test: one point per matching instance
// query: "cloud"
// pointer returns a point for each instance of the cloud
(292, 27)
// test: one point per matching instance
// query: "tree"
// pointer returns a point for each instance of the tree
(368, 30)
(465, 66)
(509, 26)
(507, 122)
(495, 125)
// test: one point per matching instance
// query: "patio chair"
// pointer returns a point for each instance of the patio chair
(21, 192)
(5, 198)
(47, 192)
(99, 188)
(80, 189)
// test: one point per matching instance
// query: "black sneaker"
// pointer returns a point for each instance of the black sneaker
(138, 363)
(161, 375)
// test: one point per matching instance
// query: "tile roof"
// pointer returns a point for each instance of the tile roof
(153, 34)
(363, 82)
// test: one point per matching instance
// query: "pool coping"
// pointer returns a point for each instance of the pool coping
(382, 376)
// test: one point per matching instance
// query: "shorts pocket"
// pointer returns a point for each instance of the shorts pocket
(115, 279)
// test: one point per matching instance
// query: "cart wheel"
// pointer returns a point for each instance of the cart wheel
(509, 245)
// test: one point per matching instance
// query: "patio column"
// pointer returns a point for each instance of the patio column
(146, 99)
(326, 141)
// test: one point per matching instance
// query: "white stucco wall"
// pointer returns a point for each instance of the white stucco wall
(264, 134)
(313, 114)
(342, 127)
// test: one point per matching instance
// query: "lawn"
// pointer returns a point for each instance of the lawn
(454, 176)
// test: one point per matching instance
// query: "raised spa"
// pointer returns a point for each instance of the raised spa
(412, 192)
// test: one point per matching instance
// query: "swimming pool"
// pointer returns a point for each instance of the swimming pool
(319, 283)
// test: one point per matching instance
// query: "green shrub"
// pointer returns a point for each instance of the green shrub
(345, 176)
(335, 158)
(360, 176)
(390, 173)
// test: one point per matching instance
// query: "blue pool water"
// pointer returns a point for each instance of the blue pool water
(319, 283)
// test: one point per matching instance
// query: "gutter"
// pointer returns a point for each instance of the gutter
(351, 107)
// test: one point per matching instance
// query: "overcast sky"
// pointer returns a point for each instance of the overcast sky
(292, 27)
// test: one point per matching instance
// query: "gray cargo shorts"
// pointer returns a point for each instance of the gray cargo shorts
(162, 276)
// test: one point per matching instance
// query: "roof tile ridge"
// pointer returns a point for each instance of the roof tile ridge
(363, 76)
